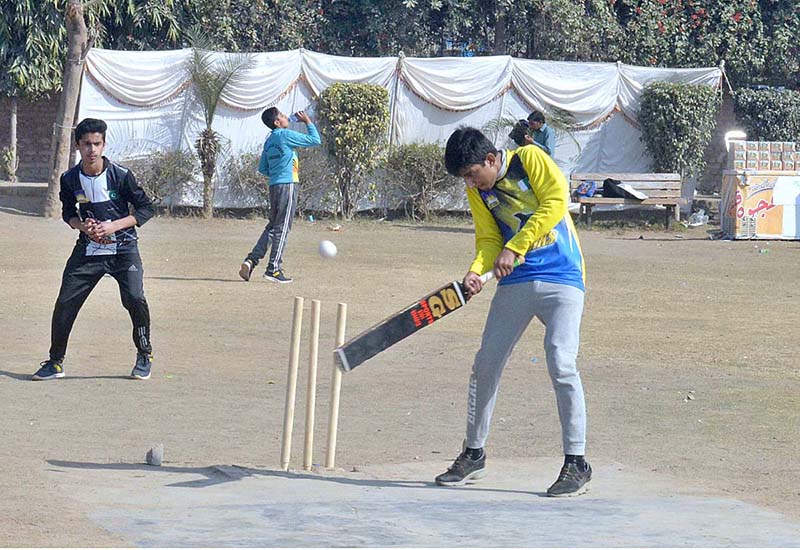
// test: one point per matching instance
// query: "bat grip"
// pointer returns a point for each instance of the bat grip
(489, 275)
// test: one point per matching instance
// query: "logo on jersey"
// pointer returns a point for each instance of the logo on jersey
(80, 196)
(112, 194)
(547, 240)
(490, 199)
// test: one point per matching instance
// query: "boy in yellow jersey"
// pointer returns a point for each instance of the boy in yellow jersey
(519, 203)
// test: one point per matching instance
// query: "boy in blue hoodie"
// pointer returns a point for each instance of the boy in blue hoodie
(279, 163)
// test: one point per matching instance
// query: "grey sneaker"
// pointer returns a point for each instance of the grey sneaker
(572, 481)
(462, 471)
(277, 277)
(49, 370)
(246, 269)
(141, 370)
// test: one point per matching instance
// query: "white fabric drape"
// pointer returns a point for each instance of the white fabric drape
(143, 97)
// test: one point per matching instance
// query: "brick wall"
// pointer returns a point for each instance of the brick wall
(34, 135)
(716, 155)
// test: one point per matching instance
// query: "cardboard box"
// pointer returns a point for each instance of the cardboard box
(752, 154)
(738, 146)
(789, 146)
(752, 164)
(764, 165)
(776, 165)
(788, 155)
(739, 164)
(790, 165)
(751, 145)
(764, 155)
(776, 146)
(763, 146)
(740, 155)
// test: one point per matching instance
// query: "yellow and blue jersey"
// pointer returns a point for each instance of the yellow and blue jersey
(526, 212)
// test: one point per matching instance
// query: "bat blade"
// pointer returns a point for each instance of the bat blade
(400, 325)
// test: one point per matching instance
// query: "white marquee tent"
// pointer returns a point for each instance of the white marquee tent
(142, 96)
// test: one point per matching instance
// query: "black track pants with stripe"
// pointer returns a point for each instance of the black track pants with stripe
(81, 275)
(282, 206)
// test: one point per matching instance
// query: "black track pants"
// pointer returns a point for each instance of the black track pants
(81, 275)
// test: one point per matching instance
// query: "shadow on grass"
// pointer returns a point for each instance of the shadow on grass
(437, 228)
(67, 378)
(219, 474)
(203, 279)
(17, 212)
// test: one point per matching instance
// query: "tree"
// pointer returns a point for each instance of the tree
(138, 24)
(77, 43)
(677, 123)
(31, 49)
(211, 74)
(354, 119)
(781, 29)
(257, 25)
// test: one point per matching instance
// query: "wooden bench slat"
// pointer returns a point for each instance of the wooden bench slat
(661, 190)
(651, 201)
(623, 177)
(643, 186)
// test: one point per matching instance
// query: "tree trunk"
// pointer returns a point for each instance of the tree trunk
(208, 196)
(500, 34)
(65, 119)
(207, 146)
(12, 168)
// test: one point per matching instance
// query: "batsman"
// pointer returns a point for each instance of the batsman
(519, 204)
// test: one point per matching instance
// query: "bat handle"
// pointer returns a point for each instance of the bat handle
(489, 275)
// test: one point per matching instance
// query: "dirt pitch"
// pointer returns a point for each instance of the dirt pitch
(669, 316)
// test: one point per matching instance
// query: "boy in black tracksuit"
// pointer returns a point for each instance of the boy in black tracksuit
(102, 192)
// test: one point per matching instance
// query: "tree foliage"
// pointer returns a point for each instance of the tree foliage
(756, 38)
(32, 46)
(257, 25)
(769, 114)
(354, 119)
(139, 24)
(677, 122)
(417, 172)
(211, 75)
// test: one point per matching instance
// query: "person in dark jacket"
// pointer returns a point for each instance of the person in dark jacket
(96, 195)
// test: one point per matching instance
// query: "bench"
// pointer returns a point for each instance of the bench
(661, 190)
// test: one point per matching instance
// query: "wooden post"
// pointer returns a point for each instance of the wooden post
(311, 397)
(291, 383)
(336, 386)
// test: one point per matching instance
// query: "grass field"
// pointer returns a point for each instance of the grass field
(668, 316)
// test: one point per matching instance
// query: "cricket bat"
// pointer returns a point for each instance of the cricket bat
(403, 324)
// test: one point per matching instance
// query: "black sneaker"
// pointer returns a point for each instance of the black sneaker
(141, 371)
(48, 370)
(246, 269)
(572, 481)
(277, 277)
(463, 470)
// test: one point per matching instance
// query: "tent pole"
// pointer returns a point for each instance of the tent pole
(500, 116)
(393, 106)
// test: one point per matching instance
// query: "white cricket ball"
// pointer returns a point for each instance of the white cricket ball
(327, 249)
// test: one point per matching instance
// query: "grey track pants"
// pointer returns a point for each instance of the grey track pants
(282, 206)
(559, 307)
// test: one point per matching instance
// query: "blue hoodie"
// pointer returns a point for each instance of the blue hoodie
(279, 160)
